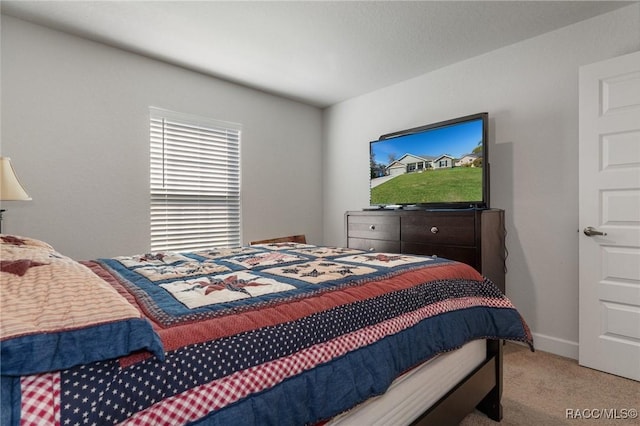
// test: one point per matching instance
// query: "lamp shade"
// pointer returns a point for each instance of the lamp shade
(10, 188)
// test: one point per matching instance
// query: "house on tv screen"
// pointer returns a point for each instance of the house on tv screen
(409, 163)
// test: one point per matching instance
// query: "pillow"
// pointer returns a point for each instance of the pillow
(15, 240)
(56, 313)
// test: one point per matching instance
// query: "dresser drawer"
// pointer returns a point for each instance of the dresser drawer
(468, 255)
(374, 227)
(450, 229)
(384, 246)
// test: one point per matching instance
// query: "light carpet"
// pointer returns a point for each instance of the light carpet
(545, 389)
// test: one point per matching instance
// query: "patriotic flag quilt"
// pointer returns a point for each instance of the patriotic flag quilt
(269, 334)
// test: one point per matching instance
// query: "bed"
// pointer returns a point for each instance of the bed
(278, 333)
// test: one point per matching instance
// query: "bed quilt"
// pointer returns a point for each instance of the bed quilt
(286, 334)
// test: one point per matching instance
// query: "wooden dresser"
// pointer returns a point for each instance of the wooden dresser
(475, 237)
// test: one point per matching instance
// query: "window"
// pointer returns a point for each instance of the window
(195, 182)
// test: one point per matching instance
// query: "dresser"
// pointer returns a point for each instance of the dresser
(473, 236)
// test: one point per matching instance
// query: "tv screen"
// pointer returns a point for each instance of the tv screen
(440, 165)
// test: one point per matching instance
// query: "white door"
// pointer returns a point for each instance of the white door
(609, 191)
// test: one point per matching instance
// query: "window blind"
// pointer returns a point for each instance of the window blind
(195, 182)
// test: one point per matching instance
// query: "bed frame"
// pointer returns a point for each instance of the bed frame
(301, 239)
(481, 389)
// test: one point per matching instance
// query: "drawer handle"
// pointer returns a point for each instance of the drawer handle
(434, 230)
(372, 227)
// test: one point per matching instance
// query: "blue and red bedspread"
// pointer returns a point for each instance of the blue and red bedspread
(271, 334)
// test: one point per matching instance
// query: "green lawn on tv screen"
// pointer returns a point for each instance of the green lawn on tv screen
(432, 186)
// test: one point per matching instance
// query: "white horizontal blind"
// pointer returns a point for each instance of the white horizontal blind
(195, 182)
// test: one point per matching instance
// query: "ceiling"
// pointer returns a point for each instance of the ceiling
(317, 52)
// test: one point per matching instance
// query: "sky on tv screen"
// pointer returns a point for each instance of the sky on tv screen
(455, 140)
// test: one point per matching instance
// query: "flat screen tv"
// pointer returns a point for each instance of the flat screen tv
(440, 165)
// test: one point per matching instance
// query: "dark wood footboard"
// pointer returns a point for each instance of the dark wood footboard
(481, 389)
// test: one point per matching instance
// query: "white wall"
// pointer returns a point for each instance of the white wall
(75, 123)
(530, 91)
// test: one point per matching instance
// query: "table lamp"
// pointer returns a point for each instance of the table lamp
(10, 187)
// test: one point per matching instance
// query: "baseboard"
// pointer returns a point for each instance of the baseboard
(555, 345)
